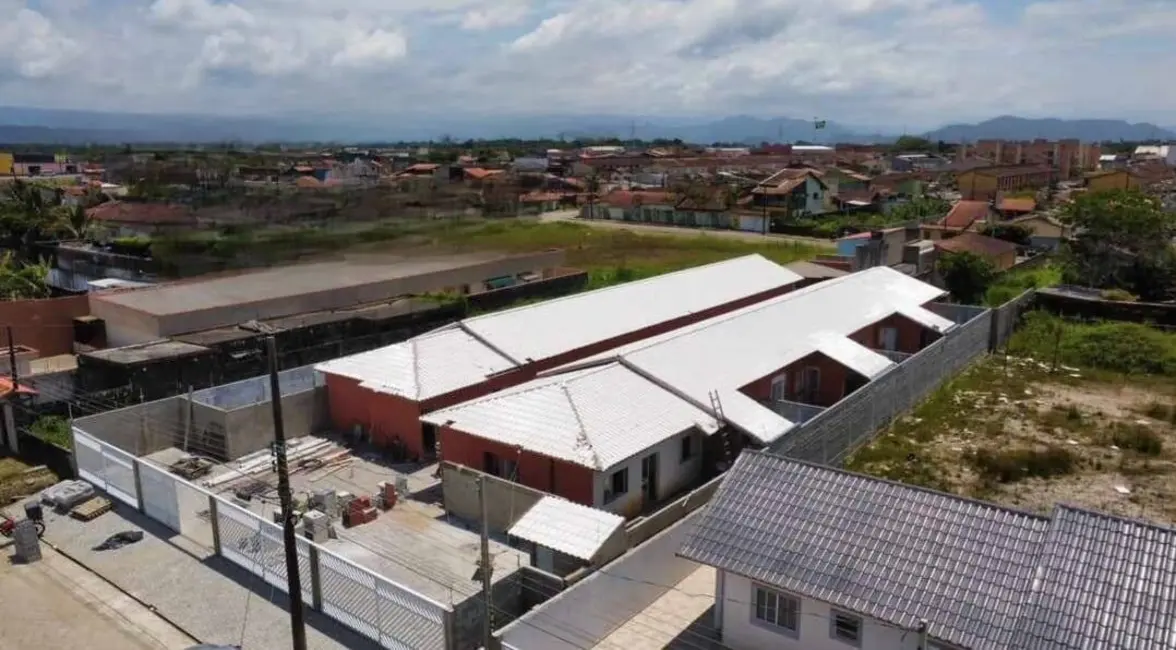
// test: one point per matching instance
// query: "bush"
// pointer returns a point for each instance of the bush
(53, 429)
(136, 246)
(1128, 348)
(1012, 465)
(1139, 438)
(1118, 295)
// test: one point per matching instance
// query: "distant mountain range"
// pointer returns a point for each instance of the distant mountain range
(53, 126)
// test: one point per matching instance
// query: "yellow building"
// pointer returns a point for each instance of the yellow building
(1112, 179)
(985, 183)
(5, 164)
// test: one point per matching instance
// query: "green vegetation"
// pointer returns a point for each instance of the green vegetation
(53, 429)
(829, 226)
(966, 275)
(1012, 465)
(22, 281)
(1123, 242)
(1139, 438)
(1014, 233)
(614, 255)
(137, 246)
(1126, 348)
(1013, 283)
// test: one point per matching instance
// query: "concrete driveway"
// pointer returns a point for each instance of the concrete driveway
(676, 231)
(56, 603)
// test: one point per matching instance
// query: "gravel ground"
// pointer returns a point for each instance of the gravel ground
(208, 597)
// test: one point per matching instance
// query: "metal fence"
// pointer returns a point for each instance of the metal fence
(394, 616)
(834, 433)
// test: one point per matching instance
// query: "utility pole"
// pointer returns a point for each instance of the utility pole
(923, 635)
(486, 569)
(293, 581)
(12, 361)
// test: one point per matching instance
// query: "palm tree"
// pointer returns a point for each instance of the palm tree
(22, 281)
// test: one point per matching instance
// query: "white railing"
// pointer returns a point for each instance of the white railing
(394, 616)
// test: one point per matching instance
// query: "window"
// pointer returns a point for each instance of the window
(687, 448)
(491, 464)
(780, 388)
(510, 469)
(846, 628)
(776, 610)
(618, 484)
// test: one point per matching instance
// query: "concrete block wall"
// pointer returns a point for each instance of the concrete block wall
(836, 432)
(506, 501)
(507, 596)
(251, 428)
(140, 429)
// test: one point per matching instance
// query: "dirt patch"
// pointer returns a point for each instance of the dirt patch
(1014, 433)
(18, 480)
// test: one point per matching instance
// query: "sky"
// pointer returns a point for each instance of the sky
(879, 63)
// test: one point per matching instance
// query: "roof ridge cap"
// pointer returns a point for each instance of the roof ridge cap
(582, 434)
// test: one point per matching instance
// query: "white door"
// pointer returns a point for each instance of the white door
(544, 559)
(780, 388)
(889, 338)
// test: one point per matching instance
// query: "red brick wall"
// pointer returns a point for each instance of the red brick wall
(570, 481)
(44, 325)
(910, 334)
(832, 386)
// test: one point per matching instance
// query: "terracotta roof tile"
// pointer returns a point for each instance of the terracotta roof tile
(971, 242)
(1017, 205)
(964, 213)
(143, 213)
(630, 198)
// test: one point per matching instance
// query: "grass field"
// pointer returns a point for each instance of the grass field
(1013, 431)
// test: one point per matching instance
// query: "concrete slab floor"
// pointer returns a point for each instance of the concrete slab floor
(55, 603)
(210, 598)
(679, 619)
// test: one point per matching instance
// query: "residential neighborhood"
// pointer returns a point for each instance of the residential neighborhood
(909, 395)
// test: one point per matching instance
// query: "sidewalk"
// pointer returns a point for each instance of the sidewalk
(56, 603)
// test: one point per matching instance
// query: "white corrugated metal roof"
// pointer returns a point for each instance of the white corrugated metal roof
(426, 366)
(723, 354)
(464, 353)
(553, 327)
(570, 528)
(596, 417)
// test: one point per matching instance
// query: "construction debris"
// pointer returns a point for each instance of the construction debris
(67, 494)
(119, 540)
(91, 509)
(191, 467)
(305, 454)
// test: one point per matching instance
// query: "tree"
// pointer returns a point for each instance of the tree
(910, 143)
(22, 281)
(1122, 241)
(1010, 232)
(967, 276)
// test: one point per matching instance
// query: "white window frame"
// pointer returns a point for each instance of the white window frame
(775, 603)
(780, 388)
(835, 616)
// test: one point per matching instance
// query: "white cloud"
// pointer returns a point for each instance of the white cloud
(880, 62)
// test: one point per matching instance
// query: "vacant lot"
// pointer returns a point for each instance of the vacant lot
(18, 480)
(1015, 433)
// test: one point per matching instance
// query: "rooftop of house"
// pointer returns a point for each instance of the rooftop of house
(595, 417)
(570, 528)
(985, 577)
(140, 213)
(965, 213)
(465, 353)
(973, 242)
(1018, 204)
(633, 198)
(719, 356)
(812, 271)
(1013, 170)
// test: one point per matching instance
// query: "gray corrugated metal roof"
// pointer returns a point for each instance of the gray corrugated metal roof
(985, 577)
(1104, 582)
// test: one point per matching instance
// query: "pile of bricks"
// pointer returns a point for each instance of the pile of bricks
(359, 511)
(388, 495)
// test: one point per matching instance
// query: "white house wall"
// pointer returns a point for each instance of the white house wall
(673, 475)
(813, 188)
(740, 633)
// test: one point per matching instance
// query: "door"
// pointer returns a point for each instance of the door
(649, 478)
(780, 388)
(544, 558)
(889, 339)
(429, 439)
(810, 385)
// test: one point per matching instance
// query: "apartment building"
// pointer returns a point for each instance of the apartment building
(1069, 157)
(988, 183)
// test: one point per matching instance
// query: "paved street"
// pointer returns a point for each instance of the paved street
(571, 215)
(55, 603)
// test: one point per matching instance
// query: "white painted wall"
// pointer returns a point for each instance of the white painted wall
(593, 608)
(739, 633)
(813, 188)
(673, 475)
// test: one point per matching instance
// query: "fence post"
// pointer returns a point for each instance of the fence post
(450, 627)
(214, 519)
(316, 585)
(138, 485)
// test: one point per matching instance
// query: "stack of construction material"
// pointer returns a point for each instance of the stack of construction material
(317, 526)
(67, 494)
(326, 502)
(360, 511)
(302, 454)
(387, 494)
